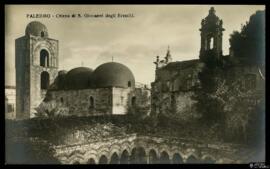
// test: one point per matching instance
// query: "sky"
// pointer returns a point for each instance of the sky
(133, 41)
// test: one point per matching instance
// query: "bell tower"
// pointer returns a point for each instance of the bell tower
(36, 62)
(211, 37)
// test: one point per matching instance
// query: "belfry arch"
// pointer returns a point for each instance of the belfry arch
(44, 58)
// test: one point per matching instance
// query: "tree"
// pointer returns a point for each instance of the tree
(248, 45)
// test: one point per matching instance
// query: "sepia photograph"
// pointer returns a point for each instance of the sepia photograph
(135, 84)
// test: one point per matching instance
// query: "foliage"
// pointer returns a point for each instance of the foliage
(249, 44)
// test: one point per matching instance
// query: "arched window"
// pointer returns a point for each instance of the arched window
(44, 58)
(92, 102)
(133, 101)
(129, 83)
(91, 161)
(211, 43)
(44, 80)
(42, 34)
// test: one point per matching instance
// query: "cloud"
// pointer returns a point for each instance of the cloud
(134, 42)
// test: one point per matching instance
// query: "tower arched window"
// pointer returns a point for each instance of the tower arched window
(92, 102)
(44, 80)
(44, 58)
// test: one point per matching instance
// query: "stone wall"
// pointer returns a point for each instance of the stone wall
(77, 102)
(36, 45)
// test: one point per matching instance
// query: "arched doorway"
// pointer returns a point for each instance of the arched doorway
(153, 159)
(44, 58)
(164, 158)
(177, 159)
(91, 161)
(103, 160)
(192, 160)
(124, 157)
(114, 159)
(44, 80)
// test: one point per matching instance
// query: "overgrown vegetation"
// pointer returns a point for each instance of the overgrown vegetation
(248, 45)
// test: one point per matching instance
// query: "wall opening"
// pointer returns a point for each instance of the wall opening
(124, 157)
(211, 43)
(129, 83)
(44, 58)
(153, 159)
(133, 101)
(44, 80)
(138, 156)
(92, 102)
(177, 159)
(103, 160)
(114, 159)
(91, 161)
(62, 100)
(164, 158)
(42, 34)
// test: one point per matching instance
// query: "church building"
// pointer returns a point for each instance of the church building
(82, 91)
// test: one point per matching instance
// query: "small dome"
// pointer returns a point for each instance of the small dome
(78, 78)
(36, 28)
(113, 74)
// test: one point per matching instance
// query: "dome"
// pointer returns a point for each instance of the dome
(113, 74)
(36, 28)
(78, 78)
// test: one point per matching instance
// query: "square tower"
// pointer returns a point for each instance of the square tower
(36, 62)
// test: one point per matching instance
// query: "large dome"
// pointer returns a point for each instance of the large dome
(36, 28)
(113, 74)
(78, 78)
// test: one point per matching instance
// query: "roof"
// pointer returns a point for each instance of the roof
(77, 78)
(113, 74)
(36, 28)
(182, 64)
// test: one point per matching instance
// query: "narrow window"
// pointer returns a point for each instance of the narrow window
(91, 102)
(122, 100)
(129, 83)
(211, 43)
(42, 34)
(62, 100)
(44, 80)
